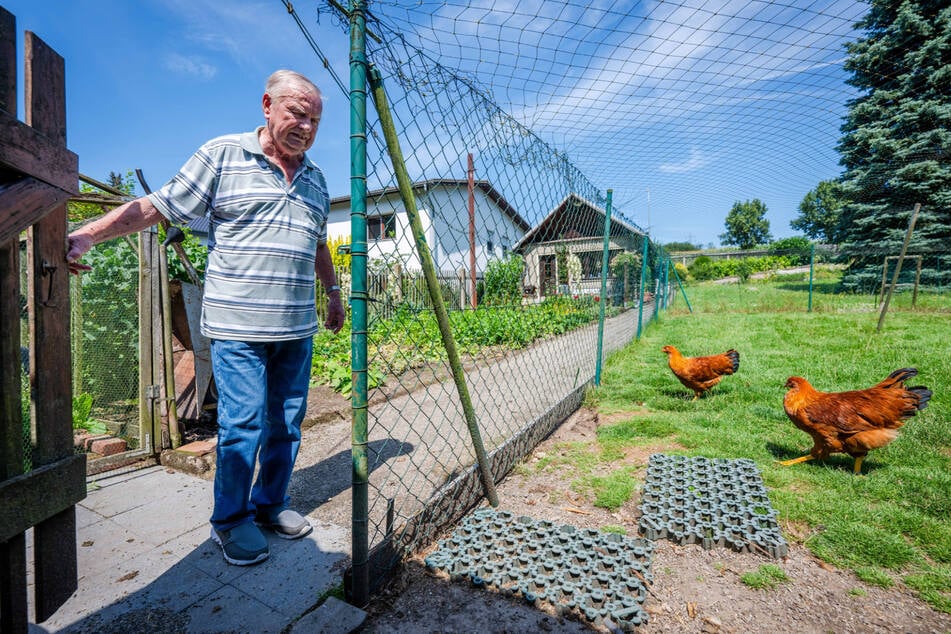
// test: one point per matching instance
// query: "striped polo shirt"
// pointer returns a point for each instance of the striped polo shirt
(259, 283)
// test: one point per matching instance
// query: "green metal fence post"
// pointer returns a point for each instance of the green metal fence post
(360, 546)
(640, 304)
(604, 286)
(432, 283)
(681, 285)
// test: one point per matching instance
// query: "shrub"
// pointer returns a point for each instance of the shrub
(503, 281)
(797, 250)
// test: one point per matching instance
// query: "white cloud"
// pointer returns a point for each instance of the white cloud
(190, 65)
(696, 161)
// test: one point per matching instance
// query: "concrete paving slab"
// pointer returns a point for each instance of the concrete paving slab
(147, 564)
(112, 495)
(299, 572)
(231, 610)
(332, 617)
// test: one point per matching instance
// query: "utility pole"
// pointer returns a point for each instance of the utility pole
(648, 227)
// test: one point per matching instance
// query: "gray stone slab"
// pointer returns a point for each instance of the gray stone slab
(167, 518)
(298, 573)
(100, 546)
(231, 610)
(333, 616)
(160, 601)
(85, 517)
(120, 493)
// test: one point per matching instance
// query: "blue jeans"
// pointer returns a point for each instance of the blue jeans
(262, 397)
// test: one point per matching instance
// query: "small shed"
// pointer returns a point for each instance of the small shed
(575, 225)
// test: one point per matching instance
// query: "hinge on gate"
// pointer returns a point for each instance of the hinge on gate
(152, 391)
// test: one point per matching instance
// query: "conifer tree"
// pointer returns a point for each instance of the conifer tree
(896, 143)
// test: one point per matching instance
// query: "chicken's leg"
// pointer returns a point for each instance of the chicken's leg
(786, 463)
(857, 470)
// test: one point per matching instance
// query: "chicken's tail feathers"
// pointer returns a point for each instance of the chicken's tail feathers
(924, 395)
(734, 358)
(898, 378)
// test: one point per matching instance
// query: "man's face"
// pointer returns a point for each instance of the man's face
(292, 119)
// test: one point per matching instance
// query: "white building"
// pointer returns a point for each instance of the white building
(443, 206)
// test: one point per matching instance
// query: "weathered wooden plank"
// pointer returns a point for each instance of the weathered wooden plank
(33, 497)
(54, 538)
(55, 564)
(24, 150)
(14, 616)
(24, 202)
(13, 603)
(49, 278)
(8, 62)
(11, 422)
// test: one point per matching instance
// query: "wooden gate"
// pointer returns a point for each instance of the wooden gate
(37, 175)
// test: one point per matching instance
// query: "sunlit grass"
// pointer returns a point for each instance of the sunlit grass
(896, 517)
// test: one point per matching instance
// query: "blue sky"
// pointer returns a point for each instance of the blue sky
(682, 108)
(148, 81)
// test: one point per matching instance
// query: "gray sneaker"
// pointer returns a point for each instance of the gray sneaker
(243, 545)
(287, 524)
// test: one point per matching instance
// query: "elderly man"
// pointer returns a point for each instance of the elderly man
(268, 206)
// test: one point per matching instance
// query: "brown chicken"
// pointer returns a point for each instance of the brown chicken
(701, 373)
(853, 422)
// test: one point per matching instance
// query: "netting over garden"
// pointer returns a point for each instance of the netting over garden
(522, 124)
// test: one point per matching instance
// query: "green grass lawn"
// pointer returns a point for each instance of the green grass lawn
(890, 525)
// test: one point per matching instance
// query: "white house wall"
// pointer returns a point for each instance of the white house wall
(444, 212)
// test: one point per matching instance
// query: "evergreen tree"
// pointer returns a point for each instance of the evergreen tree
(896, 144)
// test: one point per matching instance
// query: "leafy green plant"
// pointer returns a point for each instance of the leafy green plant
(503, 281)
(82, 408)
(767, 577)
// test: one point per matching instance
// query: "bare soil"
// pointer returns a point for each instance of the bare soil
(694, 590)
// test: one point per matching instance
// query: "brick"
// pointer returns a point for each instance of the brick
(200, 447)
(108, 446)
(86, 439)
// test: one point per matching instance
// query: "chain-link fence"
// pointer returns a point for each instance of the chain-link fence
(540, 276)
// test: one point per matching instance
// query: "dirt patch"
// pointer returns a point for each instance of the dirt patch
(694, 590)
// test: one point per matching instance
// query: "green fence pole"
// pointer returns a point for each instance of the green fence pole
(681, 285)
(360, 546)
(812, 268)
(604, 286)
(640, 304)
(429, 271)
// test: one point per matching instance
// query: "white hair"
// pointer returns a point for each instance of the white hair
(283, 81)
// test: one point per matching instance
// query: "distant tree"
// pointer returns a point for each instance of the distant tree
(896, 144)
(80, 212)
(820, 212)
(681, 246)
(746, 225)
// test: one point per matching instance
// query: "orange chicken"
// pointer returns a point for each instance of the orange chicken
(853, 422)
(701, 373)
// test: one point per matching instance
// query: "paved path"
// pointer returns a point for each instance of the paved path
(145, 558)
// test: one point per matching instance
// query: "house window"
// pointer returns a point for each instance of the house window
(490, 245)
(381, 227)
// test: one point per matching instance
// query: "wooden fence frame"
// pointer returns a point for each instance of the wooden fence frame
(37, 176)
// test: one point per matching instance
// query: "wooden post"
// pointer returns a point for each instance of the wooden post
(473, 299)
(901, 257)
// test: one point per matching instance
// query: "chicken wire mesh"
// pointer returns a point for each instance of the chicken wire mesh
(555, 104)
(517, 237)
(105, 359)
